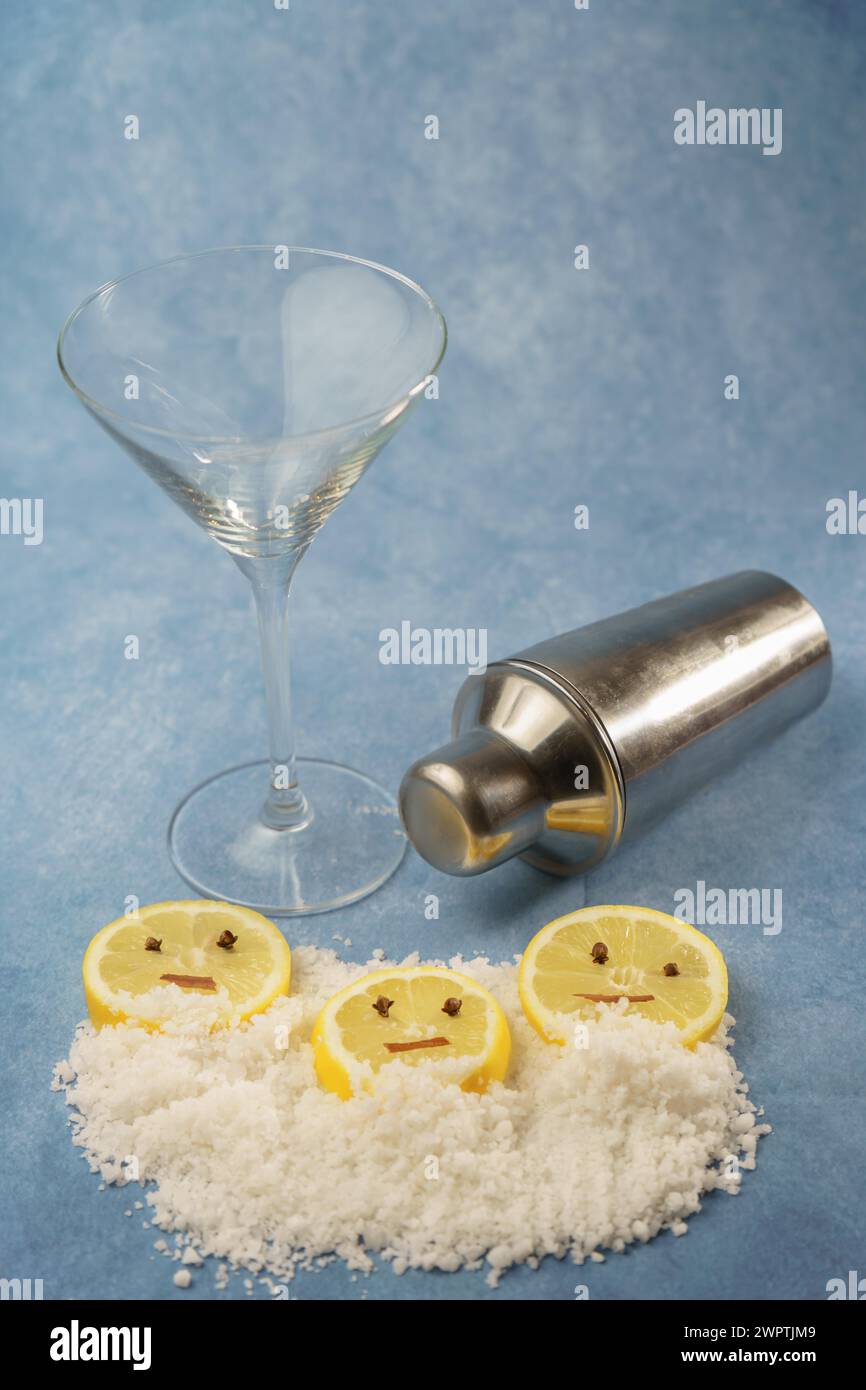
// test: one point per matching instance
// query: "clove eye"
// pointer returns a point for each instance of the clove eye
(452, 1007)
(382, 1005)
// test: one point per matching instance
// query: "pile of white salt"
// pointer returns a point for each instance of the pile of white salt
(584, 1148)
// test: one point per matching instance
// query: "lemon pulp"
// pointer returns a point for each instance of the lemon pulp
(558, 976)
(118, 967)
(415, 1027)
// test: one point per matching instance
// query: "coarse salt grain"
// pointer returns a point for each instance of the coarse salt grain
(256, 1164)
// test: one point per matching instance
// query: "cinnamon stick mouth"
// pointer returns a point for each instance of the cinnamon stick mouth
(612, 998)
(412, 1046)
(190, 981)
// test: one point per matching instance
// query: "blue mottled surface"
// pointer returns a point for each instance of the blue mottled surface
(602, 387)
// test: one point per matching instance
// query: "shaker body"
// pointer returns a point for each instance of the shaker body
(687, 685)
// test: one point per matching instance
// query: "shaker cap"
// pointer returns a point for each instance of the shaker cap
(472, 804)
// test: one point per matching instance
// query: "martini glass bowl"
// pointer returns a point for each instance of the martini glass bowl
(256, 384)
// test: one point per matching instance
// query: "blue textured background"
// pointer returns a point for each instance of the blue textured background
(603, 387)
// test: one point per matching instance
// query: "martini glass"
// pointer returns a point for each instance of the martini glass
(255, 384)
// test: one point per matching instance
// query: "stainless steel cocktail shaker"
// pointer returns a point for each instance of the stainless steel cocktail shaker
(568, 748)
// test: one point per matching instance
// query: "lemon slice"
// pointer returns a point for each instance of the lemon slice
(668, 970)
(411, 1014)
(238, 980)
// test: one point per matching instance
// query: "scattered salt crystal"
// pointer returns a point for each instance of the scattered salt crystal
(597, 1256)
(245, 1155)
(191, 1257)
(183, 1278)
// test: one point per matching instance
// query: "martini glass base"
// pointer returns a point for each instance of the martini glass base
(353, 842)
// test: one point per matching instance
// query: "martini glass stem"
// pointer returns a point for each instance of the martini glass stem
(285, 807)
